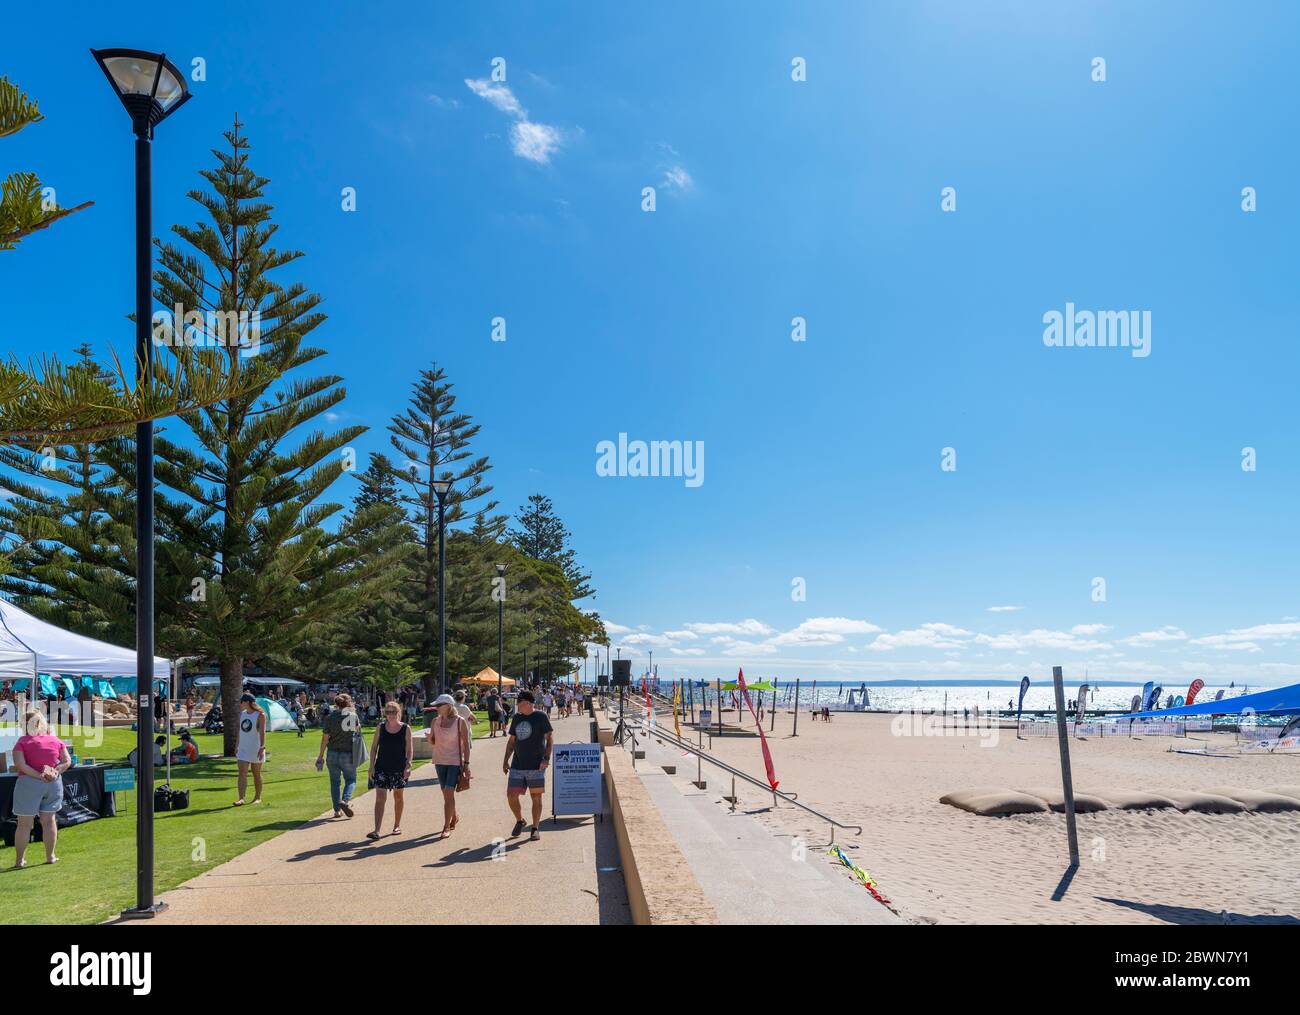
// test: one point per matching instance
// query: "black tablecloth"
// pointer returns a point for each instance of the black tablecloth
(84, 799)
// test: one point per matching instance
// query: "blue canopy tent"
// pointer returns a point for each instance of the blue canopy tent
(1281, 700)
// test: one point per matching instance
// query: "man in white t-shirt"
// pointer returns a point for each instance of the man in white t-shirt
(464, 710)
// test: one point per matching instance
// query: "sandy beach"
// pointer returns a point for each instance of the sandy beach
(939, 864)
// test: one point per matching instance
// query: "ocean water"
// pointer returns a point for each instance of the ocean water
(897, 696)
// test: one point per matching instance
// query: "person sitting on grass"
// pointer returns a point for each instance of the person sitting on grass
(41, 759)
(159, 746)
(390, 766)
(187, 751)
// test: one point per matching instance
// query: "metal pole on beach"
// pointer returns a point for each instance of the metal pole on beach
(796, 706)
(1067, 780)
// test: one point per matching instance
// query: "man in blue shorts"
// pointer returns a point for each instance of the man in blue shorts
(528, 753)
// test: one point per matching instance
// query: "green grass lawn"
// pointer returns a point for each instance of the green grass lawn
(94, 879)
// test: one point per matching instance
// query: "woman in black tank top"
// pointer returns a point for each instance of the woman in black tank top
(390, 766)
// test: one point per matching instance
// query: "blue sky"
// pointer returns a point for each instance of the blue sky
(778, 199)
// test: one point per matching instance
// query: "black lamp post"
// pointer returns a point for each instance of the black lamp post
(537, 660)
(501, 616)
(442, 487)
(151, 89)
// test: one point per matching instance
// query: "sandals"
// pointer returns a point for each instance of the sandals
(372, 835)
(238, 803)
(397, 831)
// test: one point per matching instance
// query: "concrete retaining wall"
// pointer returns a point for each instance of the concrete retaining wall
(661, 886)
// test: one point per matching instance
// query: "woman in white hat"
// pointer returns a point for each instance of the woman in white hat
(449, 737)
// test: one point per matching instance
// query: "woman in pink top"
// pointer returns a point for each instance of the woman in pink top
(450, 737)
(41, 760)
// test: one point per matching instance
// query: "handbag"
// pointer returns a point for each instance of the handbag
(359, 755)
(463, 784)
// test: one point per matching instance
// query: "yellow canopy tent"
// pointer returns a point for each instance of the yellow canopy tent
(487, 675)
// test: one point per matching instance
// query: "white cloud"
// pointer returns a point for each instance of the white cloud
(748, 648)
(824, 631)
(677, 178)
(1039, 638)
(926, 636)
(645, 641)
(1285, 631)
(1227, 643)
(442, 103)
(750, 626)
(1004, 609)
(1246, 639)
(536, 142)
(1089, 628)
(498, 95)
(1166, 633)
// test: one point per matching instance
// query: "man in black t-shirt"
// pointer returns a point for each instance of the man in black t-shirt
(528, 753)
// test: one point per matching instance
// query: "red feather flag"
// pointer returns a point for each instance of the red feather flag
(767, 755)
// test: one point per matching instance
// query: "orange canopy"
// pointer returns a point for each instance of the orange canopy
(487, 675)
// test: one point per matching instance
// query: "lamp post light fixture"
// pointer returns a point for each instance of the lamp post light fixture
(442, 487)
(501, 615)
(151, 88)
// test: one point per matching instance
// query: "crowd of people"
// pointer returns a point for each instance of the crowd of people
(524, 719)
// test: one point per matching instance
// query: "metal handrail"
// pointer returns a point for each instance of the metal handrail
(672, 738)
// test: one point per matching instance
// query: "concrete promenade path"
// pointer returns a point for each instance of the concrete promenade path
(328, 871)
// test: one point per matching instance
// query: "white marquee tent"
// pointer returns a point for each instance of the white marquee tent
(29, 647)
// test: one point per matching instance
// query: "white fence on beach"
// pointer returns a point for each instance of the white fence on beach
(1118, 728)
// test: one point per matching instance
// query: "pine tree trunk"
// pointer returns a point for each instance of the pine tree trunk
(232, 686)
